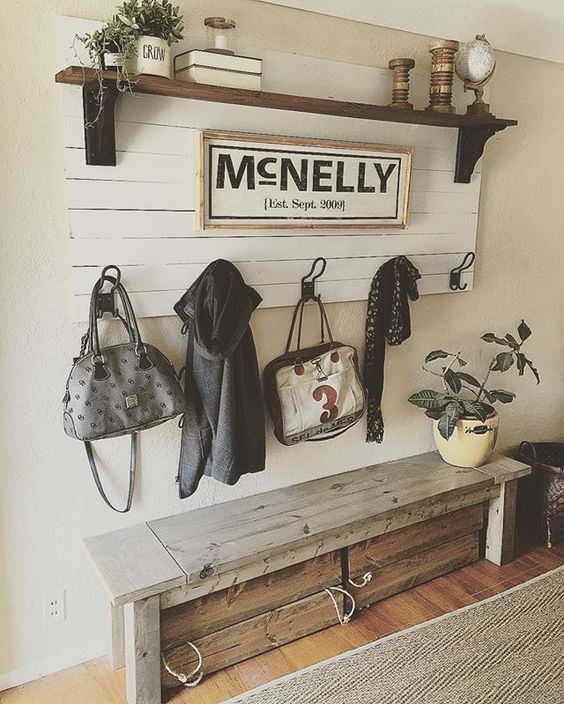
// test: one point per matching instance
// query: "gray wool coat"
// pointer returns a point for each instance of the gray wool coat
(223, 434)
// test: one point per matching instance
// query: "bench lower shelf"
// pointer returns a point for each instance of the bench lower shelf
(253, 617)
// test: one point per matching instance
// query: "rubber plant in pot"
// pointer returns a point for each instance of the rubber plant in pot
(156, 24)
(464, 418)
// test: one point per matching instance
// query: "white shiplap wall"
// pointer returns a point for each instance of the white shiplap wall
(141, 213)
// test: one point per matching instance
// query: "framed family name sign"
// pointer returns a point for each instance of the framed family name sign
(250, 181)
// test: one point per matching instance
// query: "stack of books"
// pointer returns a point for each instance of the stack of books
(214, 69)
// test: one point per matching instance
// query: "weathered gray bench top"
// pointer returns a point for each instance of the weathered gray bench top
(152, 558)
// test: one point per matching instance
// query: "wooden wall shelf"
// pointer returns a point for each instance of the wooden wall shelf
(473, 131)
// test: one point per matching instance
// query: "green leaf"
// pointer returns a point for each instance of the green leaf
(469, 379)
(533, 369)
(501, 396)
(436, 354)
(427, 399)
(512, 341)
(461, 362)
(521, 363)
(447, 422)
(453, 380)
(434, 413)
(503, 362)
(490, 337)
(524, 331)
(475, 409)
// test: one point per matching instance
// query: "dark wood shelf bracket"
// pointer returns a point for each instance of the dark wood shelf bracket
(471, 142)
(99, 123)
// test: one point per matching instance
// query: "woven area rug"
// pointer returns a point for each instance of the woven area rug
(506, 650)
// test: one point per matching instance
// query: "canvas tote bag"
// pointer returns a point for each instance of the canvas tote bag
(314, 393)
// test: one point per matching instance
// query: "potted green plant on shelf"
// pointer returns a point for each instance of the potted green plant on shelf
(465, 429)
(156, 25)
(111, 47)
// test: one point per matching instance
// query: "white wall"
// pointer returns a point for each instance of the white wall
(47, 498)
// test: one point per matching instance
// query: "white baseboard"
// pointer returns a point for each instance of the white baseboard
(48, 666)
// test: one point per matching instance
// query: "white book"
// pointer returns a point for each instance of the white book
(220, 77)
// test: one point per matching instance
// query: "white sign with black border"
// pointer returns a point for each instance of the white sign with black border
(265, 182)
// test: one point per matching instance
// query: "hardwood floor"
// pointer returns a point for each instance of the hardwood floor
(95, 683)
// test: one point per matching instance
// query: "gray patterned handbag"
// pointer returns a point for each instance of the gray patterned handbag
(118, 390)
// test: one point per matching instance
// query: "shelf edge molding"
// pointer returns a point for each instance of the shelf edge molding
(473, 131)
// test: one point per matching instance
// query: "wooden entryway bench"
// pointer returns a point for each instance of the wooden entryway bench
(242, 577)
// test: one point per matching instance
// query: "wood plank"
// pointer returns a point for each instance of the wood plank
(158, 303)
(230, 535)
(142, 651)
(115, 636)
(257, 635)
(133, 564)
(416, 569)
(123, 224)
(153, 277)
(76, 75)
(240, 602)
(503, 468)
(181, 196)
(142, 167)
(500, 537)
(373, 554)
(347, 536)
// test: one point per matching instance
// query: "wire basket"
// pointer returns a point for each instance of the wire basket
(547, 460)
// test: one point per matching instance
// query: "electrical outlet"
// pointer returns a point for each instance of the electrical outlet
(54, 608)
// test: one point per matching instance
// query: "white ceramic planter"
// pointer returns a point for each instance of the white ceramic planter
(153, 57)
(472, 442)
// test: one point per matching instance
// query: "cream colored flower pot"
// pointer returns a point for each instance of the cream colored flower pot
(152, 57)
(472, 442)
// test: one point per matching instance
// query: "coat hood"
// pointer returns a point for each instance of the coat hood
(218, 306)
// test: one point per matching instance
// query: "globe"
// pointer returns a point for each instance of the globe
(475, 61)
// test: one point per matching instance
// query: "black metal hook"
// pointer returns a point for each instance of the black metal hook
(308, 287)
(456, 273)
(106, 302)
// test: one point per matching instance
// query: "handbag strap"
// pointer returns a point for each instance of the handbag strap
(298, 317)
(132, 467)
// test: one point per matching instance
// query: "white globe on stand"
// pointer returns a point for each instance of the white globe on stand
(475, 61)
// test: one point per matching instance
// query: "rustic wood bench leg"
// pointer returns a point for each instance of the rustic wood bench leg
(115, 639)
(142, 651)
(500, 538)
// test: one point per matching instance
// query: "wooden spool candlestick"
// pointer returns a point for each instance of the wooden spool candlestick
(400, 83)
(442, 75)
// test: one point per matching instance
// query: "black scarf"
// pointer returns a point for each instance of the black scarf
(387, 319)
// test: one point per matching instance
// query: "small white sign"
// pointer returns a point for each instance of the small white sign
(265, 182)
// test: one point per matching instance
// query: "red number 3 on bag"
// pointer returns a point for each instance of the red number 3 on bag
(330, 394)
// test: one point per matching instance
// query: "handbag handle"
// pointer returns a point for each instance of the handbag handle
(130, 321)
(299, 312)
(132, 468)
(530, 459)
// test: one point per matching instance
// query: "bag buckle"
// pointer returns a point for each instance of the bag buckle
(321, 376)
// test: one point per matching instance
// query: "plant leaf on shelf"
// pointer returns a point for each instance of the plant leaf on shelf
(453, 380)
(434, 413)
(469, 379)
(427, 399)
(490, 337)
(533, 369)
(447, 422)
(503, 362)
(512, 341)
(436, 354)
(475, 408)
(524, 331)
(501, 395)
